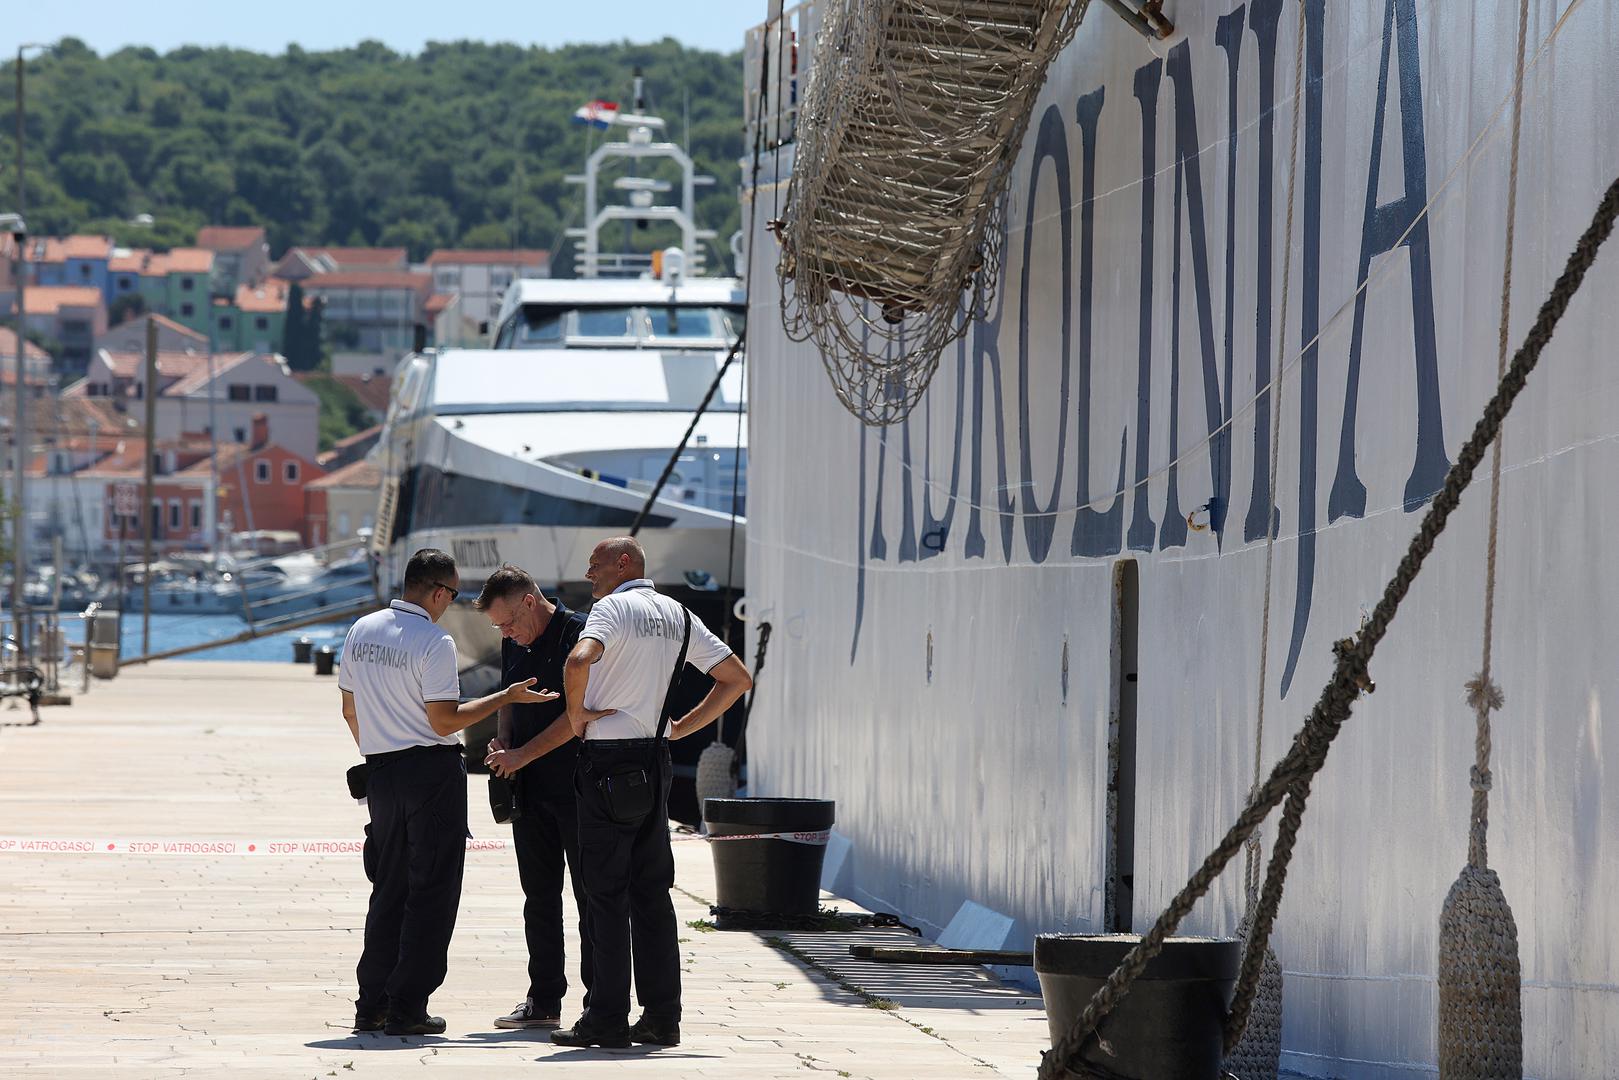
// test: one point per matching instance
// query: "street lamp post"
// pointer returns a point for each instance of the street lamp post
(13, 223)
(19, 555)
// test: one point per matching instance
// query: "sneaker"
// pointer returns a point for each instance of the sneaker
(584, 1033)
(369, 1021)
(655, 1032)
(527, 1016)
(421, 1025)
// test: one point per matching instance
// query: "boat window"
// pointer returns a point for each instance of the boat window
(683, 322)
(736, 318)
(605, 322)
(539, 326)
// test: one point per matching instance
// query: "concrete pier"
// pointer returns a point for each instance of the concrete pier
(181, 894)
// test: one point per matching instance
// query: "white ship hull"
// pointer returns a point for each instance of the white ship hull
(942, 591)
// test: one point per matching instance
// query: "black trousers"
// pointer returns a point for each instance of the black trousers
(545, 835)
(418, 802)
(628, 870)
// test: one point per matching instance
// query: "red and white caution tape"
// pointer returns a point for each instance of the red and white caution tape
(56, 845)
(817, 839)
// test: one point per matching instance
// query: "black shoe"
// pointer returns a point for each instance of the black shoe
(655, 1032)
(369, 1021)
(421, 1025)
(584, 1033)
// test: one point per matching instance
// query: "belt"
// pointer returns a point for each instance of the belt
(410, 751)
(621, 744)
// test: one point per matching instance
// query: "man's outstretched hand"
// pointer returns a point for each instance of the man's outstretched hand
(522, 693)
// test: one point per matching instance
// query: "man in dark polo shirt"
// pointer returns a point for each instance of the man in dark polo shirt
(537, 749)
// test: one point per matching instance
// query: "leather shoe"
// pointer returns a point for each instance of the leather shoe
(421, 1025)
(584, 1033)
(655, 1032)
(369, 1021)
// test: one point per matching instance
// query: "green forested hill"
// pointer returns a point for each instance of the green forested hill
(358, 147)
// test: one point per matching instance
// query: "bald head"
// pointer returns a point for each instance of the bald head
(613, 562)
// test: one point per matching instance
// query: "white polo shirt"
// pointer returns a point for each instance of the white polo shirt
(394, 662)
(640, 630)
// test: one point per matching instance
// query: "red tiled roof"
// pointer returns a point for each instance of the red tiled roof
(49, 299)
(265, 299)
(169, 363)
(439, 301)
(522, 257)
(8, 346)
(358, 437)
(373, 391)
(362, 256)
(358, 474)
(181, 261)
(52, 249)
(198, 377)
(132, 261)
(352, 258)
(169, 324)
(229, 237)
(370, 279)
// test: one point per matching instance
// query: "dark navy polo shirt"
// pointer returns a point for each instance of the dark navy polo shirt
(549, 778)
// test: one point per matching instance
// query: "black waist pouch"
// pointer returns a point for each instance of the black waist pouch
(627, 791)
(357, 777)
(503, 802)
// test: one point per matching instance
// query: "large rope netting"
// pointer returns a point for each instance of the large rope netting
(911, 122)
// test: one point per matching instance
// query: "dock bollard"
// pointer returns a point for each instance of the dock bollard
(1172, 1024)
(301, 650)
(324, 659)
(773, 866)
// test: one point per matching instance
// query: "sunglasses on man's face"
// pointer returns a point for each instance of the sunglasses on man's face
(453, 592)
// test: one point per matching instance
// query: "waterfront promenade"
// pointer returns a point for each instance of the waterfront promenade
(159, 945)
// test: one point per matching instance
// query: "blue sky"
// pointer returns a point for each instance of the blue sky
(404, 25)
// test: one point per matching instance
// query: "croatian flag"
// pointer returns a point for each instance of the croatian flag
(598, 114)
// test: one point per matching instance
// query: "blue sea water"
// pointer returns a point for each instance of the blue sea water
(174, 631)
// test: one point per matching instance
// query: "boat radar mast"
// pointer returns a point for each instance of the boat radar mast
(642, 205)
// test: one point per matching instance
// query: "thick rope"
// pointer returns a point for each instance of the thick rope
(1256, 1057)
(1480, 1018)
(1291, 777)
(1251, 871)
(1482, 693)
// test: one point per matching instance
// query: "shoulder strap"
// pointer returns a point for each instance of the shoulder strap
(680, 667)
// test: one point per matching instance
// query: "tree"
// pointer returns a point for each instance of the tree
(126, 307)
(488, 235)
(314, 348)
(356, 146)
(292, 329)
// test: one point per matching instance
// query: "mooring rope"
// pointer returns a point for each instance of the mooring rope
(1290, 779)
(1483, 693)
(1480, 1016)
(1257, 1056)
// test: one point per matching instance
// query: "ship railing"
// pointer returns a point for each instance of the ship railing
(630, 264)
(786, 42)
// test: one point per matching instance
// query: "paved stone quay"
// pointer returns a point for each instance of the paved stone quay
(181, 894)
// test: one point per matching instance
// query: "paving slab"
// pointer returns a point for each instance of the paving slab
(181, 894)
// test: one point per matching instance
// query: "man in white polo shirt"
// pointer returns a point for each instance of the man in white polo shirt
(402, 702)
(618, 689)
